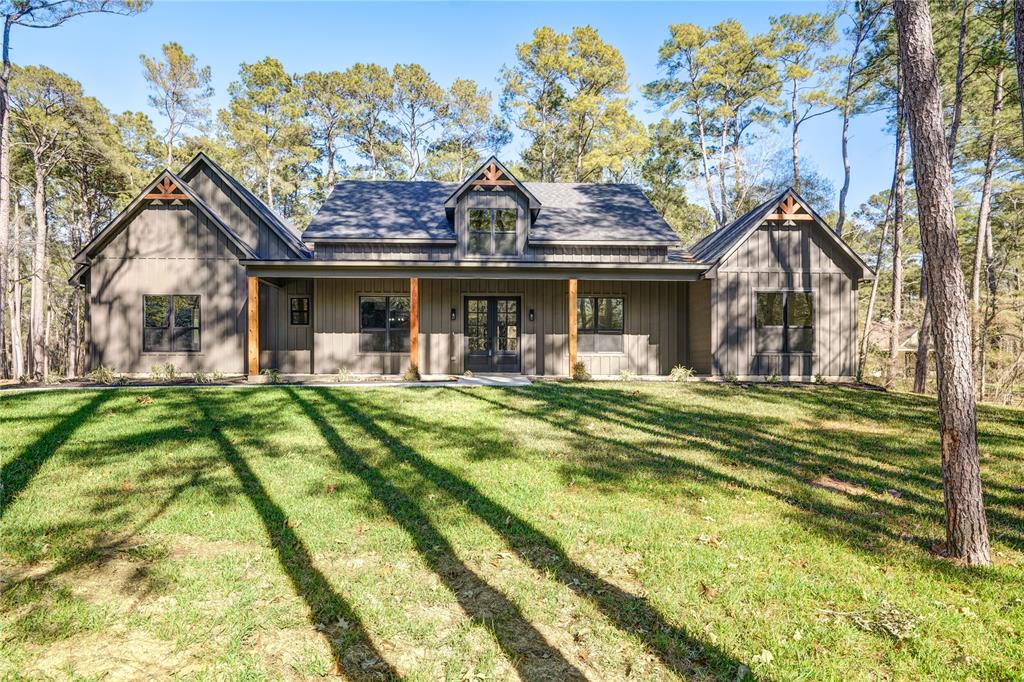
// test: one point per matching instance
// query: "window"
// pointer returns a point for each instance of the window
(171, 324)
(492, 231)
(599, 324)
(383, 324)
(784, 322)
(298, 311)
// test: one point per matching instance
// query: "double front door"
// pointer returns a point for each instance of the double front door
(493, 330)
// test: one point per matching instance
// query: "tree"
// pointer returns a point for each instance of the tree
(866, 20)
(265, 124)
(141, 147)
(669, 167)
(32, 14)
(43, 104)
(181, 92)
(966, 525)
(1018, 45)
(899, 213)
(417, 104)
(469, 130)
(327, 108)
(802, 43)
(367, 129)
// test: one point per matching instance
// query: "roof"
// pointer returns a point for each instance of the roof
(365, 210)
(721, 243)
(112, 228)
(277, 222)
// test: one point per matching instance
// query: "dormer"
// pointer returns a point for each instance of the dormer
(491, 213)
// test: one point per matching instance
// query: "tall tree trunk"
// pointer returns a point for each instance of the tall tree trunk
(7, 368)
(37, 301)
(1018, 42)
(924, 334)
(14, 300)
(796, 139)
(899, 212)
(860, 29)
(706, 165)
(331, 153)
(958, 83)
(966, 525)
(984, 214)
(870, 314)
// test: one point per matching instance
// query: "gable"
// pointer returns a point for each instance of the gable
(263, 231)
(491, 176)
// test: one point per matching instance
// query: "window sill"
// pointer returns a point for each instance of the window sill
(779, 352)
(612, 353)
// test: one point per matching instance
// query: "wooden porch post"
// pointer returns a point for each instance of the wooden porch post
(414, 321)
(253, 336)
(572, 324)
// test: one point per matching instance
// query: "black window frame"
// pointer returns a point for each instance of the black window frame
(387, 330)
(292, 311)
(788, 330)
(492, 232)
(170, 326)
(597, 328)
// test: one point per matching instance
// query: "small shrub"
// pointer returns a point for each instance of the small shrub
(681, 373)
(51, 379)
(105, 375)
(732, 378)
(579, 372)
(626, 375)
(217, 376)
(412, 373)
(273, 376)
(773, 379)
(201, 377)
(165, 372)
(343, 375)
(23, 379)
(820, 379)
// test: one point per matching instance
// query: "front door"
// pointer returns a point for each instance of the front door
(492, 334)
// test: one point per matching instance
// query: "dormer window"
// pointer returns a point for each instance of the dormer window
(492, 231)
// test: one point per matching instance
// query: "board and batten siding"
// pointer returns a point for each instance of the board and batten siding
(785, 258)
(283, 346)
(167, 249)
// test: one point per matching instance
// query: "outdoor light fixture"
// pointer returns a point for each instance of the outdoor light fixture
(531, 314)
(453, 314)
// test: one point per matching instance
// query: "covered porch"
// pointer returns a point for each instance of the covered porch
(318, 320)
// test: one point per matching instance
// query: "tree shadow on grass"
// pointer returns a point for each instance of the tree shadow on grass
(679, 651)
(533, 657)
(326, 606)
(19, 472)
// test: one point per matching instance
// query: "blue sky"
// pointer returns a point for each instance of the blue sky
(471, 40)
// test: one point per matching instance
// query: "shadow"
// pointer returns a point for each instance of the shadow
(326, 607)
(19, 472)
(533, 657)
(631, 614)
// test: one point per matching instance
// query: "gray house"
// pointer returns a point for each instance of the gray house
(491, 275)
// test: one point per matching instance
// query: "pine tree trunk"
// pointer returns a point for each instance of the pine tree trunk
(870, 314)
(796, 139)
(958, 87)
(966, 525)
(1018, 41)
(37, 301)
(7, 367)
(899, 211)
(924, 335)
(14, 300)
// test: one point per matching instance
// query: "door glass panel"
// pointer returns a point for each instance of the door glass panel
(476, 324)
(507, 325)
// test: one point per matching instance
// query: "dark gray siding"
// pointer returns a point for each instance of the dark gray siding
(596, 254)
(698, 326)
(249, 225)
(384, 251)
(777, 257)
(167, 250)
(509, 199)
(336, 327)
(284, 346)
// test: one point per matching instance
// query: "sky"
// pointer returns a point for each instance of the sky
(450, 39)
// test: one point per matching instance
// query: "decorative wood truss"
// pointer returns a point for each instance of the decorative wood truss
(790, 209)
(492, 176)
(166, 189)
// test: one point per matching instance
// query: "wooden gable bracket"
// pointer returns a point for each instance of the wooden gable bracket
(492, 176)
(165, 189)
(787, 211)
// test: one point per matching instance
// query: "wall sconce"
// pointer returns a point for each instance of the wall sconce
(531, 315)
(453, 314)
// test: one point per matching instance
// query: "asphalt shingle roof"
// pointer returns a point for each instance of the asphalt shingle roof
(360, 209)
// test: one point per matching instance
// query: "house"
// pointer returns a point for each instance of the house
(490, 275)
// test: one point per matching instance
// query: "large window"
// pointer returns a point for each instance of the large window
(384, 324)
(599, 324)
(784, 322)
(171, 324)
(492, 231)
(298, 311)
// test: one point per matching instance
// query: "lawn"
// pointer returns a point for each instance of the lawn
(600, 530)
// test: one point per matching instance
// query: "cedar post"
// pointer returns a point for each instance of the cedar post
(253, 338)
(572, 324)
(414, 321)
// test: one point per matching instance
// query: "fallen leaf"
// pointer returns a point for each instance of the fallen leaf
(127, 486)
(708, 592)
(144, 400)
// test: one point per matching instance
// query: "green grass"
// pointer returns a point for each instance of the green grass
(605, 530)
